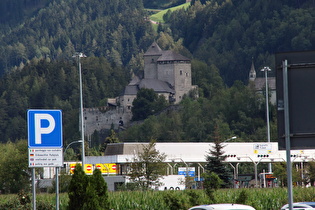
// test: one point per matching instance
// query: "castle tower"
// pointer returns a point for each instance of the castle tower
(175, 69)
(150, 61)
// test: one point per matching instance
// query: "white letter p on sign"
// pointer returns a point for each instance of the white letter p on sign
(39, 130)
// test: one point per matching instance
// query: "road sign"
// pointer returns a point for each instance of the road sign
(298, 88)
(44, 128)
(45, 138)
(45, 157)
(185, 170)
(262, 148)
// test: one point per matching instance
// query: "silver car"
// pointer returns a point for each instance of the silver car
(222, 206)
(300, 206)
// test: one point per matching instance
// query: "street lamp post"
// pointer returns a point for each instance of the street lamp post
(78, 56)
(266, 69)
(232, 138)
(79, 141)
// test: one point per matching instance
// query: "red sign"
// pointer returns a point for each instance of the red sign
(114, 167)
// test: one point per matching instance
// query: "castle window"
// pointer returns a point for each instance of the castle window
(152, 61)
(180, 72)
(96, 118)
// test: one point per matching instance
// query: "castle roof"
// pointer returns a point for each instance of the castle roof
(169, 55)
(130, 90)
(157, 85)
(154, 49)
(260, 83)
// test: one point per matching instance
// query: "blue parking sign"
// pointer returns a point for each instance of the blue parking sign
(44, 128)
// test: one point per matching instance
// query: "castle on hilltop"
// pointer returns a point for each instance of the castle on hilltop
(166, 72)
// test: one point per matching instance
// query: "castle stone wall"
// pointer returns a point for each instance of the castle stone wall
(103, 118)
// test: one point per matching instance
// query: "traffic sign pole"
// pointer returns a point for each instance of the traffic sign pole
(57, 188)
(33, 189)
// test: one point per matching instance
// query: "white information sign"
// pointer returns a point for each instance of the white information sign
(45, 157)
(262, 148)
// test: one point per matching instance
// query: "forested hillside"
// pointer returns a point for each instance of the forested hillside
(13, 12)
(222, 38)
(54, 85)
(115, 29)
(230, 33)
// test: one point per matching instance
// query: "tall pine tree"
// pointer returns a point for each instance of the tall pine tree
(215, 161)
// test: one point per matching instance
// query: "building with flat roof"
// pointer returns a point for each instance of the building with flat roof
(195, 152)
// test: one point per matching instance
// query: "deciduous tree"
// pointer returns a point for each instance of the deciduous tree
(147, 166)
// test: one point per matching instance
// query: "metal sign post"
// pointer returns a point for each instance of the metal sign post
(33, 189)
(57, 188)
(287, 132)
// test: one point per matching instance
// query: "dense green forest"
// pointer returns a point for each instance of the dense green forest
(46, 84)
(116, 30)
(230, 33)
(14, 12)
(222, 38)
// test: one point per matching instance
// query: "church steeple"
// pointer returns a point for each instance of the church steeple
(252, 72)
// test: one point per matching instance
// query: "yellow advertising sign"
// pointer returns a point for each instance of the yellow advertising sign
(72, 167)
(106, 168)
(88, 168)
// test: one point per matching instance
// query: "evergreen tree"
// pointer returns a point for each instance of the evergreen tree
(212, 182)
(92, 201)
(77, 189)
(100, 186)
(215, 161)
(87, 192)
(112, 138)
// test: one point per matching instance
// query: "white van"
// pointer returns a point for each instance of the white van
(223, 206)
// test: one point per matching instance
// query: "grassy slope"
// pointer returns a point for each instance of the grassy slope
(158, 17)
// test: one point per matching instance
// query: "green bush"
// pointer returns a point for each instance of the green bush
(174, 201)
(87, 192)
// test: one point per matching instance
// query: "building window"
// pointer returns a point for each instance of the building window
(180, 72)
(96, 118)
(152, 61)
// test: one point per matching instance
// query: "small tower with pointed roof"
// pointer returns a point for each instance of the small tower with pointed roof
(252, 72)
(150, 61)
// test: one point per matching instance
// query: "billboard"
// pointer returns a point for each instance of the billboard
(106, 168)
(301, 86)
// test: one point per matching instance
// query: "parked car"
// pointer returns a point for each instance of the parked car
(222, 206)
(300, 206)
